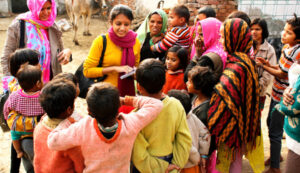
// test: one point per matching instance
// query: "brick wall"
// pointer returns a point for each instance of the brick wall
(222, 7)
(130, 3)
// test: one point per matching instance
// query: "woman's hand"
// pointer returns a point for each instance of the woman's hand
(199, 44)
(156, 39)
(123, 69)
(64, 56)
(288, 98)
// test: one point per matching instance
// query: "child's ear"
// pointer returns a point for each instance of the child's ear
(39, 84)
(90, 113)
(139, 88)
(70, 110)
(182, 20)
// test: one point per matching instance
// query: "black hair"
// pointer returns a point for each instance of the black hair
(295, 23)
(203, 79)
(68, 76)
(28, 76)
(208, 11)
(184, 99)
(103, 100)
(20, 57)
(182, 54)
(57, 96)
(151, 14)
(263, 24)
(151, 75)
(182, 11)
(241, 15)
(203, 61)
(121, 9)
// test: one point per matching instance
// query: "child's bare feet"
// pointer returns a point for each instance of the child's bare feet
(20, 154)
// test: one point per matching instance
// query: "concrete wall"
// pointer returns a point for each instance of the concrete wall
(4, 6)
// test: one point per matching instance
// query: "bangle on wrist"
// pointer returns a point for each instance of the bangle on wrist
(204, 156)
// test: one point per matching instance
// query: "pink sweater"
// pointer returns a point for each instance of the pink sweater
(49, 161)
(101, 154)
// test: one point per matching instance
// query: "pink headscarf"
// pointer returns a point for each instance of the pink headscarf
(35, 7)
(211, 35)
(37, 34)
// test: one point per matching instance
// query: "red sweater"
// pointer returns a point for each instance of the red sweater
(174, 80)
(50, 161)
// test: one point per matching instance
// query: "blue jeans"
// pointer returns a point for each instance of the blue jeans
(275, 122)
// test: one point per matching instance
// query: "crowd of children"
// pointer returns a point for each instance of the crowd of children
(197, 109)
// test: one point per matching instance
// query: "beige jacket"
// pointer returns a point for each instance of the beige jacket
(13, 40)
(267, 52)
(200, 140)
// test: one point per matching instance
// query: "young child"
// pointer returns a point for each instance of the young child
(16, 59)
(57, 99)
(201, 82)
(179, 34)
(72, 158)
(165, 143)
(199, 132)
(176, 62)
(108, 145)
(22, 108)
(290, 54)
(290, 107)
(10, 84)
(71, 77)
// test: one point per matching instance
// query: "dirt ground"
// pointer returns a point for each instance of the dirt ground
(97, 27)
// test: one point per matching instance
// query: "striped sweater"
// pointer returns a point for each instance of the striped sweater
(288, 57)
(176, 36)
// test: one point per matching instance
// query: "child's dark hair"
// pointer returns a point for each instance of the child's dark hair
(28, 76)
(184, 99)
(67, 76)
(57, 96)
(151, 75)
(295, 23)
(182, 11)
(203, 79)
(20, 57)
(103, 100)
(120, 9)
(182, 54)
(263, 24)
(208, 11)
(241, 15)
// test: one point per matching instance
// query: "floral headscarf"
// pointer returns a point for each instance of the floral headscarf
(37, 34)
(35, 7)
(144, 28)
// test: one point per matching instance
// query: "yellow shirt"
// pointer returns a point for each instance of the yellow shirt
(112, 57)
(167, 134)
